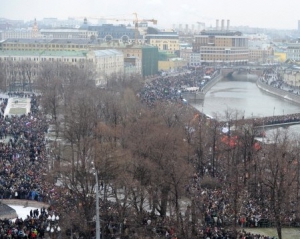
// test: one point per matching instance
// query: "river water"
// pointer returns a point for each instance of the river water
(245, 99)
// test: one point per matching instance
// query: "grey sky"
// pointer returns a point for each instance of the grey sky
(280, 14)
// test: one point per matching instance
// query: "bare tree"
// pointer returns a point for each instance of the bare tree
(279, 177)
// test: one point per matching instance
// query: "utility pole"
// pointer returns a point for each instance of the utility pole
(98, 228)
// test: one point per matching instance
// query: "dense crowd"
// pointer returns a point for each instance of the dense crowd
(34, 226)
(22, 153)
(170, 87)
(23, 164)
(273, 78)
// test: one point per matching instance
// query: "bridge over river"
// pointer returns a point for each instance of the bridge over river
(270, 122)
(256, 106)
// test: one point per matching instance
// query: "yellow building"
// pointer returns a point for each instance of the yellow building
(45, 44)
(146, 56)
(171, 64)
(168, 42)
(280, 56)
(221, 47)
(261, 55)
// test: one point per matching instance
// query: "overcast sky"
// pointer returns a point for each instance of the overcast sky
(279, 14)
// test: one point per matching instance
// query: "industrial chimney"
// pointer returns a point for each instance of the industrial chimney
(217, 24)
(222, 25)
(228, 25)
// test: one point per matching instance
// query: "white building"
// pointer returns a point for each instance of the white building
(19, 34)
(107, 62)
(195, 59)
(68, 33)
(293, 51)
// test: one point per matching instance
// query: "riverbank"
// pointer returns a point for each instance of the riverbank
(199, 95)
(278, 92)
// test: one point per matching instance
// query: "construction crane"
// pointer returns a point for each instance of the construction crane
(136, 22)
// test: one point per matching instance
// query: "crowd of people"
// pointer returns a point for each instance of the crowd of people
(23, 164)
(34, 226)
(215, 206)
(272, 77)
(169, 88)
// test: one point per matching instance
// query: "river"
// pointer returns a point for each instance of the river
(245, 98)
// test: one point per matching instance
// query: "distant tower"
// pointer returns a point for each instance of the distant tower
(298, 25)
(217, 24)
(35, 28)
(85, 21)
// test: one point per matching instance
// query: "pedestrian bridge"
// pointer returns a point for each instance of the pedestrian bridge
(269, 122)
(240, 70)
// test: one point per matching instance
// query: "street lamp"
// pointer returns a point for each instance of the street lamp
(53, 228)
(98, 232)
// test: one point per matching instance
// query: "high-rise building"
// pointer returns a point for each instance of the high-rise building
(221, 47)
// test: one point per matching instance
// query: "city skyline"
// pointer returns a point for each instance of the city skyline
(263, 14)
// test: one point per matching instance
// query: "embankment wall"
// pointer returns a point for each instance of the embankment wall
(278, 92)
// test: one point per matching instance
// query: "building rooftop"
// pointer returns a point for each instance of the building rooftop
(107, 52)
(26, 40)
(62, 30)
(122, 45)
(44, 53)
(220, 33)
(46, 40)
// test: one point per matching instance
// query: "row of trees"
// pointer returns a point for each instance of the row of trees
(146, 158)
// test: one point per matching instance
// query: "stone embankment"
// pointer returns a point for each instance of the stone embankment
(278, 92)
(199, 95)
(211, 83)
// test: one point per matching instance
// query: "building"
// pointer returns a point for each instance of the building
(68, 34)
(146, 56)
(164, 41)
(32, 32)
(132, 65)
(221, 46)
(106, 62)
(119, 33)
(47, 44)
(279, 56)
(293, 51)
(195, 59)
(259, 55)
(19, 34)
(146, 62)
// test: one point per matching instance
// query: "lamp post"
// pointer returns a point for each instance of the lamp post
(53, 228)
(97, 208)
(98, 228)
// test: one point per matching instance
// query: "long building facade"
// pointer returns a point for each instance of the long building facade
(106, 62)
(223, 47)
(145, 62)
